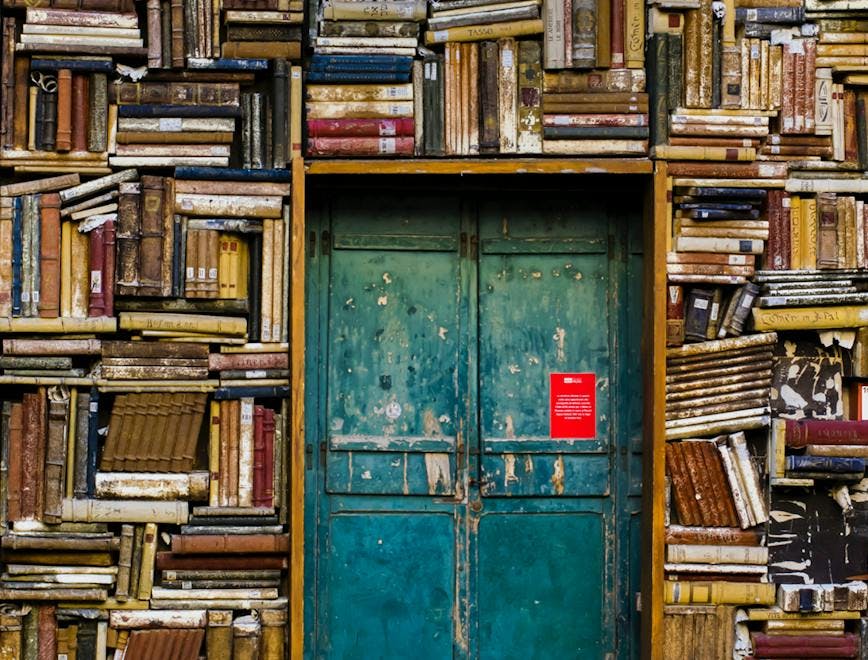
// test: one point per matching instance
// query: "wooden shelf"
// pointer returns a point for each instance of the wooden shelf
(482, 166)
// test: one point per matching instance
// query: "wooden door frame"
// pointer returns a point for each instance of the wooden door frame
(655, 220)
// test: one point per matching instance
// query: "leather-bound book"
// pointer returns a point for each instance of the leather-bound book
(122, 586)
(280, 115)
(152, 236)
(14, 458)
(87, 634)
(109, 266)
(49, 119)
(219, 635)
(195, 544)
(30, 454)
(47, 617)
(273, 634)
(128, 238)
(7, 80)
(177, 41)
(228, 562)
(20, 116)
(246, 631)
(63, 137)
(155, 35)
(96, 303)
(489, 134)
(80, 455)
(97, 129)
(80, 111)
(529, 98)
(176, 93)
(49, 256)
(259, 457)
(55, 453)
(268, 432)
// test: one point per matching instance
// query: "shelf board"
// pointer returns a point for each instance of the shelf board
(482, 166)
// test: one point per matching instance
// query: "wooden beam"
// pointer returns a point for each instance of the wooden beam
(483, 166)
(297, 438)
(653, 454)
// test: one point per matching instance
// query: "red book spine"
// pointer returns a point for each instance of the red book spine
(49, 256)
(80, 112)
(227, 562)
(810, 83)
(258, 457)
(826, 432)
(268, 431)
(47, 645)
(96, 304)
(221, 361)
(617, 34)
(786, 240)
(109, 267)
(774, 254)
(206, 544)
(360, 128)
(16, 432)
(805, 646)
(360, 146)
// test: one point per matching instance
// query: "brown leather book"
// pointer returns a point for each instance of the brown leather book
(176, 93)
(192, 413)
(63, 139)
(7, 80)
(178, 46)
(22, 84)
(116, 421)
(33, 455)
(155, 35)
(827, 231)
(96, 302)
(273, 634)
(80, 111)
(13, 486)
(178, 644)
(224, 361)
(128, 238)
(682, 490)
(152, 236)
(691, 535)
(202, 262)
(288, 50)
(49, 256)
(47, 618)
(189, 544)
(168, 231)
(695, 467)
(124, 6)
(719, 485)
(55, 454)
(229, 562)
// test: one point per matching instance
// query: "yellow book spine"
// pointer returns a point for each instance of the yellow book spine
(198, 323)
(214, 454)
(755, 66)
(811, 318)
(484, 32)
(688, 152)
(65, 269)
(833, 625)
(795, 232)
(267, 284)
(764, 103)
(80, 274)
(719, 593)
(295, 111)
(809, 232)
(58, 325)
(634, 39)
(31, 119)
(277, 281)
(242, 268)
(70, 442)
(224, 267)
(149, 553)
(232, 265)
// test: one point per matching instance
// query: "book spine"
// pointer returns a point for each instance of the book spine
(80, 111)
(96, 303)
(97, 134)
(49, 256)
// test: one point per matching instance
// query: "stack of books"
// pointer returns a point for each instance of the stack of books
(816, 449)
(719, 386)
(801, 288)
(47, 30)
(264, 30)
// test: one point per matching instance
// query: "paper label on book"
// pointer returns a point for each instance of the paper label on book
(507, 58)
(170, 124)
(439, 36)
(430, 71)
(737, 260)
(186, 204)
(186, 584)
(255, 373)
(387, 145)
(715, 308)
(191, 272)
(25, 296)
(212, 273)
(388, 129)
(700, 303)
(96, 281)
(201, 273)
(36, 296)
(572, 406)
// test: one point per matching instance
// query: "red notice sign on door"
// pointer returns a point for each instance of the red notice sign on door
(573, 406)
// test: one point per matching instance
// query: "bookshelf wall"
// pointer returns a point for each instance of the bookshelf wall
(152, 240)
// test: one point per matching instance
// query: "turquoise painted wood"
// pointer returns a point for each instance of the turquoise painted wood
(444, 521)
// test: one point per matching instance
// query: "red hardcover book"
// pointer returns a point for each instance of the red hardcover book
(851, 137)
(317, 128)
(259, 457)
(360, 146)
(14, 458)
(47, 621)
(774, 254)
(786, 240)
(826, 432)
(96, 304)
(223, 361)
(268, 431)
(80, 112)
(617, 35)
(195, 544)
(805, 646)
(108, 276)
(49, 256)
(172, 561)
(33, 454)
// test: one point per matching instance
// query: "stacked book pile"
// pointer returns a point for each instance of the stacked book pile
(800, 288)
(454, 20)
(234, 555)
(604, 112)
(817, 449)
(262, 30)
(69, 31)
(121, 360)
(719, 386)
(70, 561)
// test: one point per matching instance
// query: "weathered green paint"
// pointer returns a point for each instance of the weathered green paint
(444, 521)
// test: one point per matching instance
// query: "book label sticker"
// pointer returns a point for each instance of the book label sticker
(572, 406)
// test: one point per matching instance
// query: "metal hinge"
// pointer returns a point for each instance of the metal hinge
(326, 243)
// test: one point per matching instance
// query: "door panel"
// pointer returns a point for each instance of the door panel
(537, 599)
(392, 373)
(390, 590)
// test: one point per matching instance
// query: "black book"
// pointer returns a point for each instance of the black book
(697, 312)
(432, 96)
(254, 284)
(86, 640)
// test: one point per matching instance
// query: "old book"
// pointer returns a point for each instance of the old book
(183, 644)
(171, 561)
(86, 510)
(734, 593)
(49, 256)
(55, 453)
(211, 543)
(218, 636)
(716, 536)
(155, 486)
(146, 570)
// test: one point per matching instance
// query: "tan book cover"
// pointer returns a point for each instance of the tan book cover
(122, 586)
(218, 636)
(267, 291)
(146, 571)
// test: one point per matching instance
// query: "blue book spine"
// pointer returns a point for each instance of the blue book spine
(602, 132)
(231, 174)
(825, 464)
(17, 249)
(359, 67)
(263, 392)
(223, 64)
(784, 15)
(358, 76)
(380, 60)
(179, 111)
(73, 65)
(92, 441)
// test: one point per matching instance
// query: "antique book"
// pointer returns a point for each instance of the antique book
(146, 569)
(86, 510)
(735, 593)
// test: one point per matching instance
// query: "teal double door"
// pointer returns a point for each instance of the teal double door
(443, 519)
